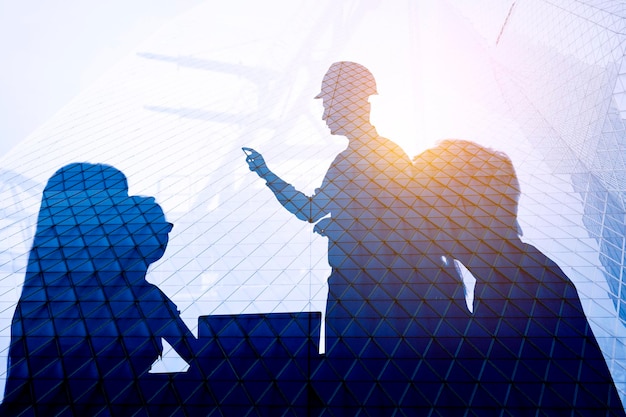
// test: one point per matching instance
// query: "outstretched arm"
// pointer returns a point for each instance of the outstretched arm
(303, 206)
(182, 340)
(164, 321)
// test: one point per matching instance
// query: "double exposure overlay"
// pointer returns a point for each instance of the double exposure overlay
(324, 210)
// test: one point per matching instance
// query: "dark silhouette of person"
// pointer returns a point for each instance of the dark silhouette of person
(361, 188)
(382, 311)
(529, 348)
(87, 326)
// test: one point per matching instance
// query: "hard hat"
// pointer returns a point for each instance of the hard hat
(347, 79)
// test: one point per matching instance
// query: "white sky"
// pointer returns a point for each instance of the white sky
(52, 50)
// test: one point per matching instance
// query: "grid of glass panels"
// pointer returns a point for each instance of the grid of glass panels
(537, 81)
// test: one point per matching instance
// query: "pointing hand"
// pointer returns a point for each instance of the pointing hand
(255, 161)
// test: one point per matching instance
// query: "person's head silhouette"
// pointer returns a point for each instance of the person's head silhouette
(345, 93)
(83, 176)
(478, 184)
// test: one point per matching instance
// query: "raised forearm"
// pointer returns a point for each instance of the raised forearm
(303, 206)
(293, 200)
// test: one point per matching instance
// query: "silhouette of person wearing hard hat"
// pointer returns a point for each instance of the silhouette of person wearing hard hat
(366, 206)
(360, 191)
